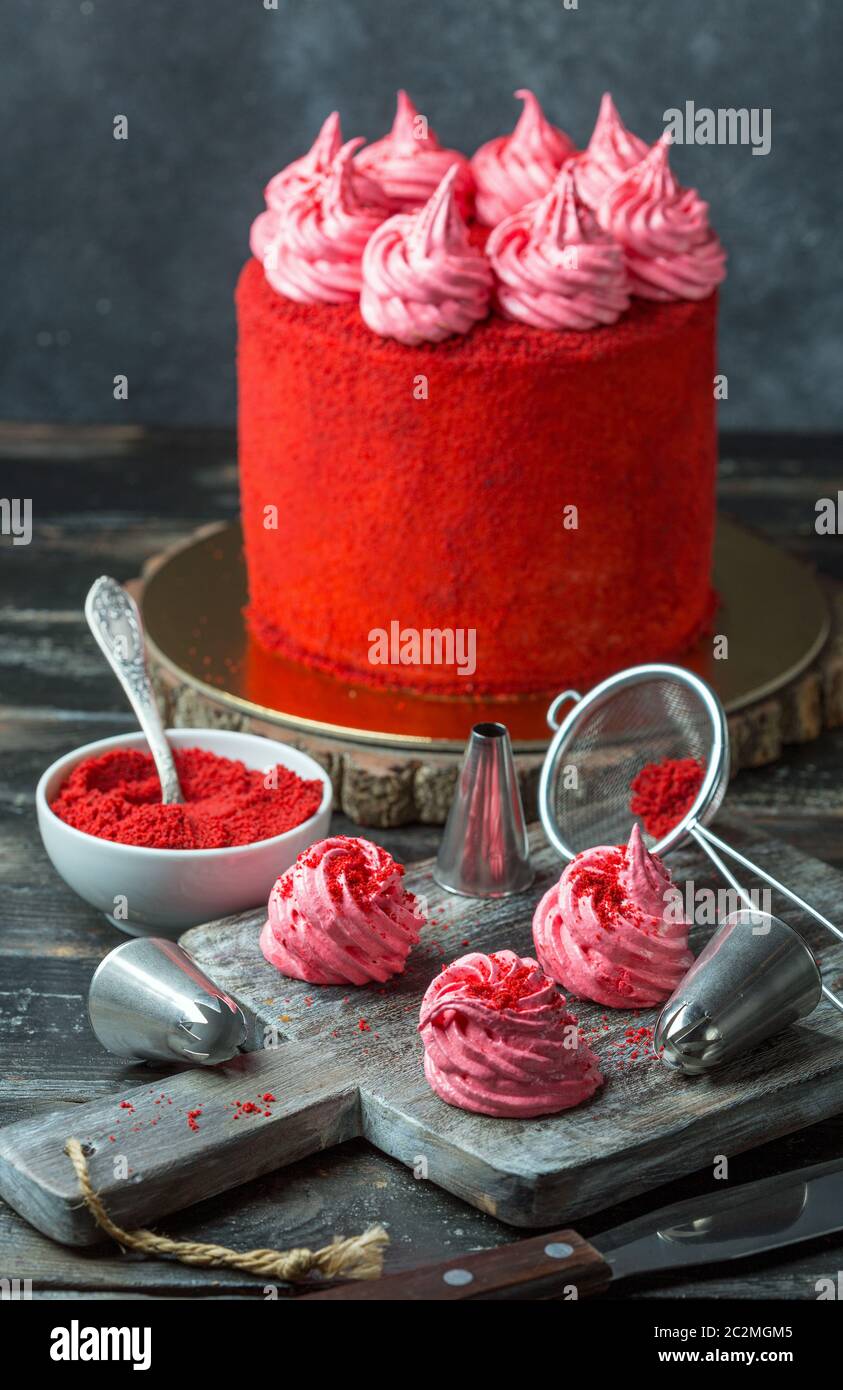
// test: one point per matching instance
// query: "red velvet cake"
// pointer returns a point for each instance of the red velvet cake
(442, 434)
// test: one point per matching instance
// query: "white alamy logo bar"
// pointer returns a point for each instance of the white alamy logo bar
(15, 1290)
(79, 1342)
(707, 907)
(727, 125)
(426, 646)
(16, 519)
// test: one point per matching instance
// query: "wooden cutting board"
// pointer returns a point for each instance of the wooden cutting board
(347, 1062)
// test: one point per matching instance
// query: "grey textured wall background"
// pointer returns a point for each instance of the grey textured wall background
(122, 256)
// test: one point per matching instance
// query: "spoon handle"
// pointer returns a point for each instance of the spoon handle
(114, 620)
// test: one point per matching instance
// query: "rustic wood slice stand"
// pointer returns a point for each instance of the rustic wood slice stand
(391, 780)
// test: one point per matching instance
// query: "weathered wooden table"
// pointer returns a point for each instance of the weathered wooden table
(104, 501)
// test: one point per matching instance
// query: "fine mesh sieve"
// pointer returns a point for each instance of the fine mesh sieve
(638, 717)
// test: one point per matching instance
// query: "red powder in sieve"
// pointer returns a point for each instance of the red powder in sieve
(662, 793)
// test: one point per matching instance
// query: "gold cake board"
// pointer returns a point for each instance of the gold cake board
(393, 755)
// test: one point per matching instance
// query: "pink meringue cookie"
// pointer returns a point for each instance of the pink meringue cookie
(499, 1040)
(341, 916)
(609, 929)
(670, 248)
(516, 169)
(316, 253)
(556, 268)
(409, 162)
(309, 168)
(423, 280)
(611, 152)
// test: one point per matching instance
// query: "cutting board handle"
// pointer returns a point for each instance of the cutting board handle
(561, 1265)
(147, 1157)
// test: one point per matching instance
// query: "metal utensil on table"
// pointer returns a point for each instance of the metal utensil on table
(114, 620)
(149, 999)
(484, 851)
(732, 1224)
(645, 715)
(755, 977)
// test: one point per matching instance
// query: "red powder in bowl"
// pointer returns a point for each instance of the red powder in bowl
(117, 796)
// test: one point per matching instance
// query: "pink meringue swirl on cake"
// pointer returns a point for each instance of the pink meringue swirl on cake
(610, 930)
(312, 165)
(315, 256)
(341, 915)
(409, 162)
(670, 248)
(423, 280)
(263, 232)
(499, 1040)
(556, 268)
(611, 152)
(309, 168)
(516, 169)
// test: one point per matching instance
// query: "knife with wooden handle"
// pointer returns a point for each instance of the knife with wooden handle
(728, 1225)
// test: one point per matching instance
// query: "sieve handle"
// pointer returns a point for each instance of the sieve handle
(553, 709)
(706, 839)
(832, 997)
(701, 838)
(739, 858)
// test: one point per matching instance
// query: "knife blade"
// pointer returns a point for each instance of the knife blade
(746, 1220)
(749, 1219)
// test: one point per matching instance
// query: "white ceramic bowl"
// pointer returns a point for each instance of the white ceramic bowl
(165, 891)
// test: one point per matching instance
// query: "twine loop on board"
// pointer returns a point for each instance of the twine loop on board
(357, 1257)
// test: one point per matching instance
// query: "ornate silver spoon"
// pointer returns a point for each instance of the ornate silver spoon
(114, 620)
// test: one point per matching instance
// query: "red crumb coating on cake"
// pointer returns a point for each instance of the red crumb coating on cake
(448, 512)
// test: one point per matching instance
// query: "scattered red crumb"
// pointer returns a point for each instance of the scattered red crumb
(635, 1047)
(117, 796)
(662, 793)
(193, 1116)
(247, 1107)
(363, 1026)
(267, 1097)
(598, 879)
(504, 993)
(126, 1105)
